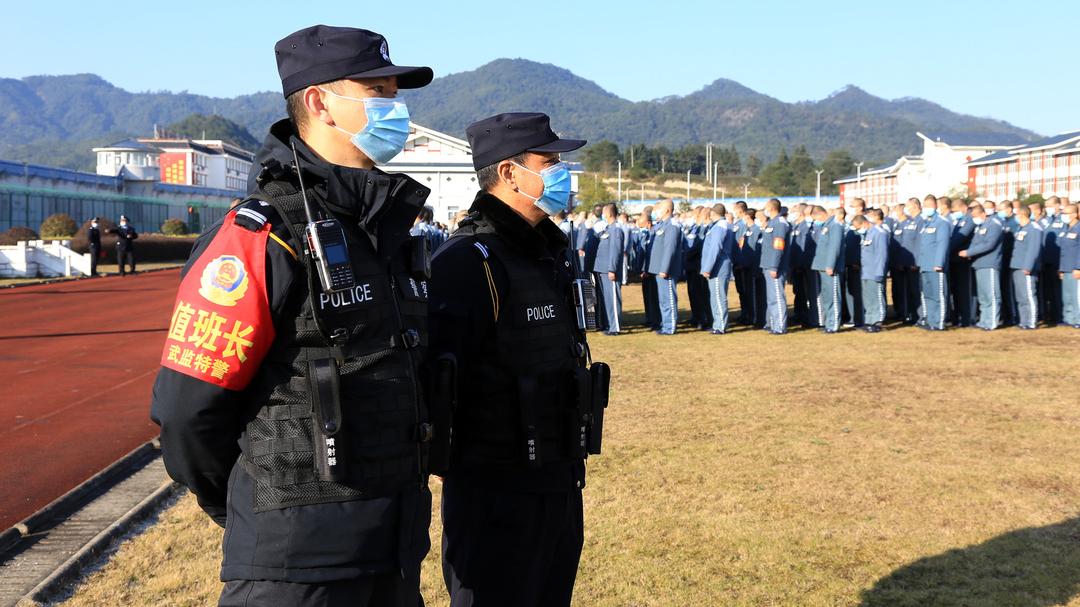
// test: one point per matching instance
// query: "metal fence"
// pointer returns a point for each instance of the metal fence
(28, 207)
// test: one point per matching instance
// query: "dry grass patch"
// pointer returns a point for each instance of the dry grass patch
(903, 468)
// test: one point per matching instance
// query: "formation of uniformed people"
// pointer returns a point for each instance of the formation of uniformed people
(950, 263)
(320, 363)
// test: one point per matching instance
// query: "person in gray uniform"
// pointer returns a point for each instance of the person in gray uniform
(608, 270)
(987, 245)
(665, 263)
(828, 263)
(1069, 266)
(716, 266)
(932, 260)
(874, 258)
(774, 267)
(1025, 266)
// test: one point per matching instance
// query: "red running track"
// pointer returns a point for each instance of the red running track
(77, 364)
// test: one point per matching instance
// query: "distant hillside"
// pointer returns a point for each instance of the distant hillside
(43, 113)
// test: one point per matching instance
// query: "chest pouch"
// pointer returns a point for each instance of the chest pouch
(420, 257)
(600, 375)
(324, 386)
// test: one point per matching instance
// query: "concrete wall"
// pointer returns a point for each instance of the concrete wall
(39, 258)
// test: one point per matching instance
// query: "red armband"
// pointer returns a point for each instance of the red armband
(221, 325)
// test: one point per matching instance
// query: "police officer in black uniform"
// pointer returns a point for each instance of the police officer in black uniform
(315, 464)
(125, 245)
(509, 307)
(93, 235)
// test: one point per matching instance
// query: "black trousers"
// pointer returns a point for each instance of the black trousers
(123, 258)
(899, 294)
(743, 290)
(760, 297)
(510, 549)
(1050, 295)
(652, 301)
(798, 288)
(95, 252)
(387, 590)
(960, 286)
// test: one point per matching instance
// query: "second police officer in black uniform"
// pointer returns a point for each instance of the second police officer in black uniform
(289, 398)
(508, 306)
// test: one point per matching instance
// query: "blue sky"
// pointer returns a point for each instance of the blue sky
(940, 50)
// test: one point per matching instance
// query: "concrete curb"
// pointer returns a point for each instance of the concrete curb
(75, 498)
(51, 281)
(72, 568)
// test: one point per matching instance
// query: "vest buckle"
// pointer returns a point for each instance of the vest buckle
(411, 338)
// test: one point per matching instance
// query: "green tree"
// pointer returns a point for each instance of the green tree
(200, 126)
(803, 171)
(837, 165)
(602, 157)
(753, 165)
(591, 192)
(779, 177)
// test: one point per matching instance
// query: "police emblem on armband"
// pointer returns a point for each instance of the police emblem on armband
(224, 281)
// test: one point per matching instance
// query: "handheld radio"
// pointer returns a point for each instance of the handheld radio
(326, 243)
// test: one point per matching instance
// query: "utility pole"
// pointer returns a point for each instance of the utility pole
(708, 161)
(746, 191)
(643, 192)
(687, 186)
(858, 179)
(631, 155)
(619, 194)
(663, 164)
(723, 198)
(817, 196)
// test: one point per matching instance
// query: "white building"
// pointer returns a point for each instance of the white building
(208, 163)
(941, 169)
(444, 164)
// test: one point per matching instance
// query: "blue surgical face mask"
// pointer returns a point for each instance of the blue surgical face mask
(387, 127)
(978, 220)
(556, 194)
(654, 216)
(809, 220)
(818, 223)
(1050, 212)
(928, 213)
(957, 215)
(861, 231)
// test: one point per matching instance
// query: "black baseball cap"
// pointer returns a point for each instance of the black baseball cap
(324, 53)
(506, 135)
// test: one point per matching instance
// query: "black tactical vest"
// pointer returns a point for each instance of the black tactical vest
(521, 408)
(382, 322)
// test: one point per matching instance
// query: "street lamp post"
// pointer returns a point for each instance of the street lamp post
(817, 195)
(746, 191)
(687, 186)
(619, 196)
(858, 178)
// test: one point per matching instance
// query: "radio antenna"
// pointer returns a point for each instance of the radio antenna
(300, 176)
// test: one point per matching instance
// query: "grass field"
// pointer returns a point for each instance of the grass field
(904, 468)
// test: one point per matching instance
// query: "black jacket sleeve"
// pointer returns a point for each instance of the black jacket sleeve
(201, 423)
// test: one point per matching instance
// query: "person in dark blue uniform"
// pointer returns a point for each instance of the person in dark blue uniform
(756, 280)
(608, 271)
(775, 266)
(665, 263)
(894, 223)
(960, 274)
(125, 245)
(1026, 262)
(291, 406)
(651, 300)
(932, 259)
(909, 245)
(93, 237)
(739, 227)
(803, 280)
(1049, 280)
(853, 275)
(1009, 228)
(985, 253)
(502, 310)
